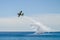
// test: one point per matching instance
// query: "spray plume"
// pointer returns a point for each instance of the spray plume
(40, 28)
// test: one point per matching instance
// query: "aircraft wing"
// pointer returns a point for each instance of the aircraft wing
(20, 12)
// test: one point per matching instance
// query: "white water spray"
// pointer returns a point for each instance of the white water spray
(40, 28)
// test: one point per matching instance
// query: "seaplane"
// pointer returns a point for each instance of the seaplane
(20, 14)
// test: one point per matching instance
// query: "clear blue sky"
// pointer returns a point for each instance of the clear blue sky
(29, 7)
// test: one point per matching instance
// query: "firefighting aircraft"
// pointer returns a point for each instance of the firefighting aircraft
(20, 14)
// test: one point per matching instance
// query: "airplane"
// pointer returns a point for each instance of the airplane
(20, 14)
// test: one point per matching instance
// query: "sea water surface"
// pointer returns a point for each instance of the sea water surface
(29, 36)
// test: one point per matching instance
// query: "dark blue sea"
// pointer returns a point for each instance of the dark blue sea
(29, 36)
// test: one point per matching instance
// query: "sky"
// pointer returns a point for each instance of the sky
(46, 11)
(29, 7)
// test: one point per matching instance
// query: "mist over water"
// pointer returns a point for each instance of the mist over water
(39, 27)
